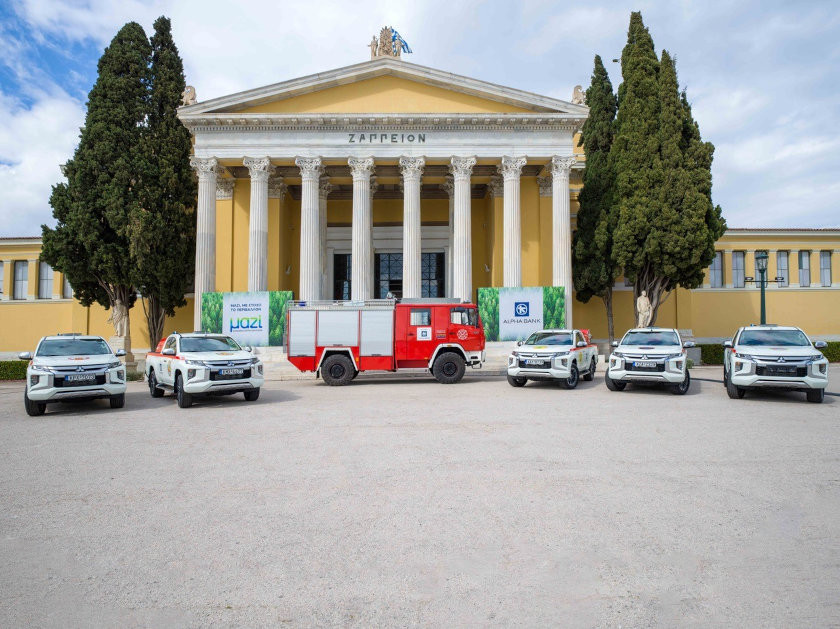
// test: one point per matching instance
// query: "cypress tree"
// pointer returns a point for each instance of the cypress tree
(594, 268)
(91, 241)
(163, 225)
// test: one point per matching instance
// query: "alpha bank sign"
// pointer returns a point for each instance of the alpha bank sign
(520, 312)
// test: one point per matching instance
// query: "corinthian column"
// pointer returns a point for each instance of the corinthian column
(561, 229)
(462, 255)
(449, 187)
(205, 232)
(260, 169)
(412, 170)
(324, 189)
(311, 169)
(361, 276)
(511, 168)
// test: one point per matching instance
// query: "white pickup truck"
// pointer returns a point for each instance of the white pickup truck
(197, 364)
(69, 367)
(562, 355)
(652, 355)
(774, 356)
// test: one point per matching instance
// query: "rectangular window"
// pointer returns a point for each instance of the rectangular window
(67, 290)
(45, 281)
(342, 272)
(804, 268)
(825, 268)
(782, 268)
(738, 269)
(420, 316)
(21, 279)
(432, 274)
(716, 270)
(387, 274)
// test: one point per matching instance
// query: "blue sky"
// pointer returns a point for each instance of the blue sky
(761, 75)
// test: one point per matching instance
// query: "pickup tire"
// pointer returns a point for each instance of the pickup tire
(574, 377)
(590, 376)
(449, 368)
(682, 387)
(613, 385)
(515, 381)
(815, 396)
(734, 392)
(117, 401)
(337, 370)
(184, 399)
(253, 395)
(33, 409)
(154, 389)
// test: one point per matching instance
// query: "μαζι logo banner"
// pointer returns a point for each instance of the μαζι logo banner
(245, 318)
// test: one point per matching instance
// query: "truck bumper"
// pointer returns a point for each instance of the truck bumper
(671, 374)
(45, 392)
(816, 378)
(203, 386)
(555, 373)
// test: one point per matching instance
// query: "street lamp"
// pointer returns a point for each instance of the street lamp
(761, 266)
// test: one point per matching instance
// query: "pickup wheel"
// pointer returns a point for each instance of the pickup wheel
(184, 399)
(154, 389)
(589, 377)
(574, 377)
(815, 395)
(253, 395)
(33, 409)
(682, 387)
(449, 368)
(337, 370)
(117, 401)
(733, 391)
(613, 385)
(515, 381)
(725, 375)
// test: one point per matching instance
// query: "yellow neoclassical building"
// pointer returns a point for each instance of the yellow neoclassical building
(390, 177)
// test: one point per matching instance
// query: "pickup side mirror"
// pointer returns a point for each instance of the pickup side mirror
(688, 344)
(581, 344)
(248, 348)
(25, 356)
(119, 352)
(820, 345)
(519, 343)
(614, 343)
(727, 343)
(168, 352)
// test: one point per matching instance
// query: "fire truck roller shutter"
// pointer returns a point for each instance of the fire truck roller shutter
(338, 327)
(377, 333)
(301, 333)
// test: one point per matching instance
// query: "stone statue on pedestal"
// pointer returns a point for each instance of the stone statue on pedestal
(644, 310)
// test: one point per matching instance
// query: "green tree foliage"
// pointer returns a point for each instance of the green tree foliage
(667, 224)
(277, 316)
(554, 307)
(163, 223)
(211, 312)
(595, 268)
(488, 309)
(91, 241)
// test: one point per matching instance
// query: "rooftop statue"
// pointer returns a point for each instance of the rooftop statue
(389, 44)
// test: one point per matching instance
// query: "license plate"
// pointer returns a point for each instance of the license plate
(644, 363)
(783, 371)
(534, 361)
(231, 372)
(80, 377)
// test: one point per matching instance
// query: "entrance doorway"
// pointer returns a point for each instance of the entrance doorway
(387, 274)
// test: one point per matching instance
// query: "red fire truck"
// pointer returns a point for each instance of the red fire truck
(339, 339)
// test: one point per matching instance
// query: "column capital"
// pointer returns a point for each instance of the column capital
(204, 166)
(511, 167)
(449, 186)
(324, 187)
(412, 166)
(224, 189)
(496, 187)
(310, 167)
(462, 166)
(544, 183)
(276, 187)
(560, 166)
(361, 167)
(259, 168)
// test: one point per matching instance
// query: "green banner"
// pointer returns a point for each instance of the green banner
(214, 316)
(513, 314)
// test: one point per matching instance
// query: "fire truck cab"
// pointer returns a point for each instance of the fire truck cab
(339, 339)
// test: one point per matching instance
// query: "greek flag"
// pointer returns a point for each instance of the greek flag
(397, 40)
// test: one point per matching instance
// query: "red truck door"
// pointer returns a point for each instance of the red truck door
(464, 327)
(415, 337)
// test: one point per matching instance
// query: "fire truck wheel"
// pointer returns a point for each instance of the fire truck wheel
(337, 370)
(516, 382)
(449, 368)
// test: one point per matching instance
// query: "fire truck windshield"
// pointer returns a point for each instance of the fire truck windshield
(464, 316)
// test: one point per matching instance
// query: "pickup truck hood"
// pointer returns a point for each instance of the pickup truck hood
(771, 350)
(544, 349)
(74, 361)
(649, 350)
(218, 356)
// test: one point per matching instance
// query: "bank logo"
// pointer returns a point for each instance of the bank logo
(521, 308)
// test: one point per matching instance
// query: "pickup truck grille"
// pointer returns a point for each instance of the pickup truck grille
(217, 375)
(781, 371)
(76, 369)
(221, 364)
(782, 359)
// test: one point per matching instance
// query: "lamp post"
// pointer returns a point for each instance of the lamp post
(761, 267)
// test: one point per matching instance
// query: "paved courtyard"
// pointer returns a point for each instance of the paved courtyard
(404, 502)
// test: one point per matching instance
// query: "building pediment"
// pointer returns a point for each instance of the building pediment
(383, 85)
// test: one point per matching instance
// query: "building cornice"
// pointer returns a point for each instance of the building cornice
(831, 232)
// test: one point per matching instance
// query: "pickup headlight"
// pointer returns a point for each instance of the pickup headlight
(815, 357)
(197, 363)
(618, 354)
(114, 364)
(255, 361)
(560, 354)
(744, 356)
(672, 356)
(41, 367)
(514, 353)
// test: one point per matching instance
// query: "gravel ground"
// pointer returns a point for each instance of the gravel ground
(404, 502)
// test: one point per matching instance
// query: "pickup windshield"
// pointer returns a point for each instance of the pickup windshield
(208, 344)
(549, 338)
(73, 347)
(654, 338)
(778, 338)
